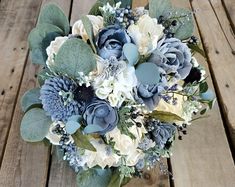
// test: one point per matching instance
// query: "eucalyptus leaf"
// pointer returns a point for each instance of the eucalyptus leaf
(73, 57)
(82, 141)
(92, 129)
(43, 75)
(72, 126)
(209, 95)
(89, 30)
(147, 73)
(165, 116)
(94, 177)
(35, 125)
(30, 98)
(184, 27)
(53, 15)
(39, 39)
(131, 53)
(158, 7)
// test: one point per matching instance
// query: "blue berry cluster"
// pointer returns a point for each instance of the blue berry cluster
(125, 17)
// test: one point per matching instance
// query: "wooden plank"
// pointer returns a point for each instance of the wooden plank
(203, 158)
(221, 57)
(14, 29)
(230, 8)
(58, 177)
(24, 164)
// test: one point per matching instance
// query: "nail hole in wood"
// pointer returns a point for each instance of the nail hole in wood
(22, 48)
(14, 49)
(227, 85)
(35, 75)
(11, 87)
(216, 51)
(233, 52)
(3, 92)
(12, 70)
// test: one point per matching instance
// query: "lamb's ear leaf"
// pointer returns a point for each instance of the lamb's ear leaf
(53, 15)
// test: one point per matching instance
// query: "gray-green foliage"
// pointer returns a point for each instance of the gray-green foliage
(131, 53)
(73, 57)
(53, 15)
(147, 73)
(35, 125)
(94, 177)
(185, 25)
(99, 3)
(30, 98)
(89, 30)
(39, 39)
(158, 7)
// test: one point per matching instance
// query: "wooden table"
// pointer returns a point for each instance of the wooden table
(201, 159)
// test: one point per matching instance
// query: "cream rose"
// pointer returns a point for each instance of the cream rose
(126, 145)
(53, 49)
(78, 28)
(146, 33)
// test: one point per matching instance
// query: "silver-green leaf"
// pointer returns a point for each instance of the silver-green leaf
(131, 53)
(165, 116)
(73, 57)
(89, 30)
(53, 15)
(30, 98)
(158, 7)
(35, 125)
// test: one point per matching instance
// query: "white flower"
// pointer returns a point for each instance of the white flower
(116, 88)
(53, 49)
(189, 107)
(55, 138)
(78, 27)
(101, 157)
(126, 145)
(146, 33)
(197, 65)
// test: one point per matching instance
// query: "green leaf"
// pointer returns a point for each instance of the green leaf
(165, 116)
(211, 103)
(73, 57)
(89, 30)
(147, 73)
(39, 39)
(30, 98)
(94, 177)
(116, 180)
(203, 111)
(35, 125)
(100, 3)
(197, 49)
(185, 25)
(53, 15)
(131, 53)
(203, 87)
(158, 7)
(82, 141)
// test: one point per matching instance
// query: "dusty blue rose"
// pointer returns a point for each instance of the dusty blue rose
(100, 117)
(110, 41)
(173, 56)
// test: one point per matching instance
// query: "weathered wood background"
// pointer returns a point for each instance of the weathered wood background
(202, 159)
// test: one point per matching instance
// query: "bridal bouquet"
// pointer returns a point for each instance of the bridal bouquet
(116, 89)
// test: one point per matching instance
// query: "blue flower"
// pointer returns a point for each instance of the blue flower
(111, 40)
(58, 99)
(100, 117)
(173, 56)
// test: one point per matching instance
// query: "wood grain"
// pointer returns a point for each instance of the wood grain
(203, 157)
(230, 8)
(16, 20)
(221, 57)
(24, 164)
